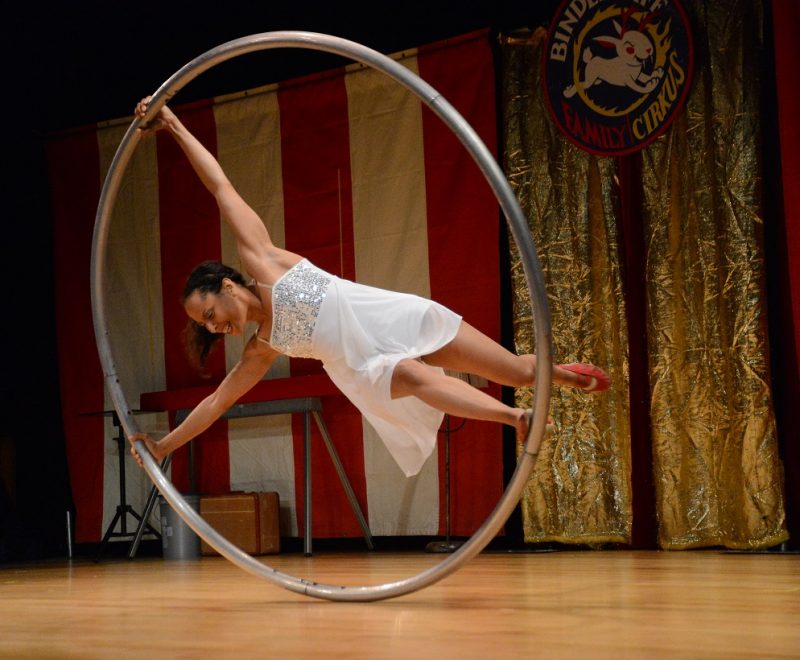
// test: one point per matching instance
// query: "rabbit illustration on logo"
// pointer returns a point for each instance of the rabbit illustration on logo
(625, 69)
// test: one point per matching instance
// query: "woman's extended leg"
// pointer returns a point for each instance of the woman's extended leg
(473, 352)
(453, 395)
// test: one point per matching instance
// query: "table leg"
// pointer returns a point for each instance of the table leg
(307, 467)
(348, 488)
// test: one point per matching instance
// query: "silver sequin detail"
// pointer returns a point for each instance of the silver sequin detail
(296, 300)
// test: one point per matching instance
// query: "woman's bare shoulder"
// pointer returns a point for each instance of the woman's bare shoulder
(270, 265)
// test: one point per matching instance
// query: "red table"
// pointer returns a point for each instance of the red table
(277, 396)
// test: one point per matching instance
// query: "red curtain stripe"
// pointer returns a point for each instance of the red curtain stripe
(75, 191)
(190, 233)
(318, 217)
(785, 21)
(463, 214)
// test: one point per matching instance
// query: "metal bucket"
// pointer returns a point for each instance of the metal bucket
(178, 540)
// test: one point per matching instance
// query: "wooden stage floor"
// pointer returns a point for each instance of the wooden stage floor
(603, 604)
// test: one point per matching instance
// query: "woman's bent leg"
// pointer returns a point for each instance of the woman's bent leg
(452, 395)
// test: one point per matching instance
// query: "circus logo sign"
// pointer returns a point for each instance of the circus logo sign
(617, 73)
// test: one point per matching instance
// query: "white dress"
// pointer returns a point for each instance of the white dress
(360, 333)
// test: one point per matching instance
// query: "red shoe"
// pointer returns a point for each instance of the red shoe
(600, 381)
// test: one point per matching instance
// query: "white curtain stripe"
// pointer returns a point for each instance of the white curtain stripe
(136, 318)
(391, 247)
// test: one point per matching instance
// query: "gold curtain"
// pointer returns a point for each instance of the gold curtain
(717, 473)
(580, 491)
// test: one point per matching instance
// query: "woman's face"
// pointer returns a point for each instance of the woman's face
(220, 313)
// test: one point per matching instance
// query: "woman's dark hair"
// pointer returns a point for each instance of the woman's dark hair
(205, 278)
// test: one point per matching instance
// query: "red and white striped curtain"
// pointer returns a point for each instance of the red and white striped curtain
(346, 168)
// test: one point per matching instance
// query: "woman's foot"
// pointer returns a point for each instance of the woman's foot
(590, 378)
(524, 422)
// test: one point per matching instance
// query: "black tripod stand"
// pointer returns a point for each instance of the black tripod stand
(123, 508)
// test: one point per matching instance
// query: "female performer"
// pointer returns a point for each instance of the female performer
(385, 351)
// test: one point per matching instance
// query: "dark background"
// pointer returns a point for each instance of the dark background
(72, 64)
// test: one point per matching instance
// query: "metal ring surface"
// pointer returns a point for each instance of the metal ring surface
(519, 231)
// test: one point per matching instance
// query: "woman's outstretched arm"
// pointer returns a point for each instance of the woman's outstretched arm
(251, 234)
(255, 362)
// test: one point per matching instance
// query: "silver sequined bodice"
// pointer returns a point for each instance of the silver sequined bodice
(296, 299)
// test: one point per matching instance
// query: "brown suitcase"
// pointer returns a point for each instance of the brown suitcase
(248, 520)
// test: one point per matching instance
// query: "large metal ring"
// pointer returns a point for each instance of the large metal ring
(519, 231)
